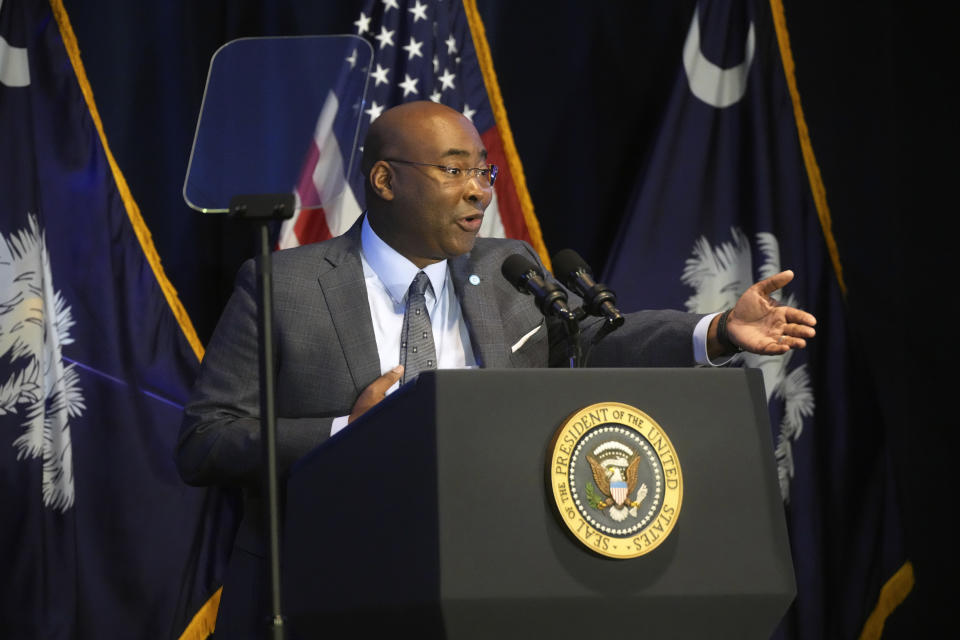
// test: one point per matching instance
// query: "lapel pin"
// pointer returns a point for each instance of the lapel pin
(474, 279)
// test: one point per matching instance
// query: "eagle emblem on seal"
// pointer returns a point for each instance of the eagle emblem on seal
(616, 479)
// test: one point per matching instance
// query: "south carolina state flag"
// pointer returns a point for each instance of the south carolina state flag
(99, 538)
(730, 193)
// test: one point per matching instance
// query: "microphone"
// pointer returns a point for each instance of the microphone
(523, 274)
(598, 299)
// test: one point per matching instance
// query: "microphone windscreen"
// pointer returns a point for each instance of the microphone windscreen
(567, 262)
(515, 267)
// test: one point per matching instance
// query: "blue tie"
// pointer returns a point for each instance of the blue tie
(417, 351)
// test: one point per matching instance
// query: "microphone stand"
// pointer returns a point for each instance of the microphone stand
(263, 209)
(572, 325)
(598, 299)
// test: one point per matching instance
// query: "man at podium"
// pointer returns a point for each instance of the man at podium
(409, 287)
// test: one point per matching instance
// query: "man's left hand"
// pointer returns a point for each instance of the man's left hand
(760, 324)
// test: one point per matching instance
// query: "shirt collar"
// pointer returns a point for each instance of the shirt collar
(395, 271)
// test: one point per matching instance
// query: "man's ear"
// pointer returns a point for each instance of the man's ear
(381, 180)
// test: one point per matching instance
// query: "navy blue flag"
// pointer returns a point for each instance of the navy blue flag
(730, 194)
(99, 536)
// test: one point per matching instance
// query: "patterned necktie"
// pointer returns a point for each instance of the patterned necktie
(417, 351)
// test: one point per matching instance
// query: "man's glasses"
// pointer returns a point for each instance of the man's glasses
(487, 174)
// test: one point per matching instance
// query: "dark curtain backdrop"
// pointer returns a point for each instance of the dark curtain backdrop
(584, 85)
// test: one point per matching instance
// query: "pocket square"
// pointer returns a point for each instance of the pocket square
(522, 341)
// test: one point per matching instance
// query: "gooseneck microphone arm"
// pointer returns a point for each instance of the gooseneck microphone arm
(550, 298)
(524, 275)
(598, 299)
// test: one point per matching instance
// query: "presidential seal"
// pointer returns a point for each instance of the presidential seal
(615, 479)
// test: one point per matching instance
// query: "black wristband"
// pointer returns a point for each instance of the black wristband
(722, 334)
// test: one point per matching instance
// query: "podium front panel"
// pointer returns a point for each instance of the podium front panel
(463, 534)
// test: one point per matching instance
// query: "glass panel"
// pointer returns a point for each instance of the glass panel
(279, 115)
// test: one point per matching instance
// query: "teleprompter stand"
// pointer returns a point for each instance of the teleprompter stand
(260, 130)
(431, 514)
(262, 210)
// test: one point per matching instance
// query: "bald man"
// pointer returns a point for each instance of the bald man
(339, 309)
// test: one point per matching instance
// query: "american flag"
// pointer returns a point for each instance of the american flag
(422, 50)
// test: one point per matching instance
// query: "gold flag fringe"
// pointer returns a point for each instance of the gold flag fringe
(503, 126)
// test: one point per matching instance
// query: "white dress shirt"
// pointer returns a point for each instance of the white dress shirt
(387, 276)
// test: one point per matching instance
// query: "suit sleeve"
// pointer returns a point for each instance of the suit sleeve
(219, 440)
(661, 338)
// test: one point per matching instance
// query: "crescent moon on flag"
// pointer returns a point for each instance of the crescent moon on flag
(14, 69)
(717, 87)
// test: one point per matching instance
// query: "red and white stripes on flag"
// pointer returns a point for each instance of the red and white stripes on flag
(322, 180)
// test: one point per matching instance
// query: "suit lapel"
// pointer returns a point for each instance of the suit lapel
(342, 285)
(480, 312)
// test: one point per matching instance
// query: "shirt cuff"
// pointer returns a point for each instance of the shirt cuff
(700, 343)
(338, 424)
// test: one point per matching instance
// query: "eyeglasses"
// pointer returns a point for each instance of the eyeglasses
(489, 173)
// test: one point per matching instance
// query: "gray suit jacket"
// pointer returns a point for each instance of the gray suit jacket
(326, 354)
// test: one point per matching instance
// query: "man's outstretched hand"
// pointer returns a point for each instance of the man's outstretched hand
(760, 324)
